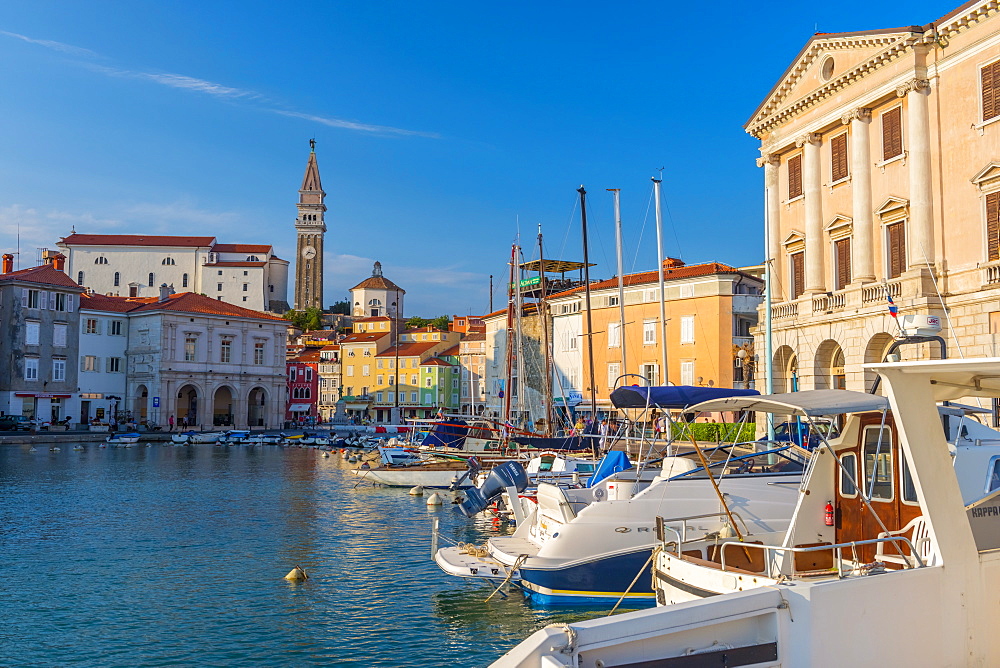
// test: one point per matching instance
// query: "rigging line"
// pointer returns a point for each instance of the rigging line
(673, 229)
(645, 219)
(569, 228)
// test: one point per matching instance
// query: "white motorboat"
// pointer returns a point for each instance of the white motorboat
(183, 438)
(889, 560)
(123, 438)
(204, 437)
(234, 437)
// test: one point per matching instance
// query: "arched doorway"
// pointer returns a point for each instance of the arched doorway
(222, 407)
(829, 367)
(785, 370)
(256, 408)
(187, 405)
(140, 404)
(875, 352)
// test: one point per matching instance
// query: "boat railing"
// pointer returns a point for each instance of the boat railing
(662, 528)
(837, 548)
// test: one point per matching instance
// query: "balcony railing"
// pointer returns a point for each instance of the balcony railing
(874, 294)
(788, 310)
(991, 274)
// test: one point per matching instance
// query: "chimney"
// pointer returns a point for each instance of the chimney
(58, 261)
(164, 292)
(8, 263)
(672, 263)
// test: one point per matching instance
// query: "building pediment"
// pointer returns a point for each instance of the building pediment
(841, 226)
(988, 177)
(794, 241)
(894, 207)
(827, 64)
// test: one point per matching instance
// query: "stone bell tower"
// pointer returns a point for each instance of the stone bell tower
(310, 227)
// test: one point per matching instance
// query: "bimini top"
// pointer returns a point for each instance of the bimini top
(671, 396)
(806, 403)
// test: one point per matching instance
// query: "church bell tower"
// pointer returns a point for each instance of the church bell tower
(310, 227)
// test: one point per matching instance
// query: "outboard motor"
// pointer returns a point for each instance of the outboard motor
(508, 474)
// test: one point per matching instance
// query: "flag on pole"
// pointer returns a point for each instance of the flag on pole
(893, 309)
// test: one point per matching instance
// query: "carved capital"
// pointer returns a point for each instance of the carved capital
(913, 85)
(860, 114)
(769, 159)
(807, 138)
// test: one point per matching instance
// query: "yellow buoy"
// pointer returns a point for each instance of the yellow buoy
(434, 499)
(296, 575)
(417, 491)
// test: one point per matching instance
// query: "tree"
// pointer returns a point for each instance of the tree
(413, 322)
(343, 307)
(310, 319)
(441, 322)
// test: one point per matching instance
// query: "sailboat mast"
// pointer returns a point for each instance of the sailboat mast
(768, 283)
(509, 353)
(665, 374)
(586, 290)
(621, 277)
(543, 318)
(519, 335)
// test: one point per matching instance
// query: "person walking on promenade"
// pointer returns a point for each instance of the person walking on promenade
(170, 421)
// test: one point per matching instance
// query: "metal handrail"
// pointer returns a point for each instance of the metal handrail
(820, 548)
(661, 526)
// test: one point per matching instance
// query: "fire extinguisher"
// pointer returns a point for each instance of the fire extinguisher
(828, 514)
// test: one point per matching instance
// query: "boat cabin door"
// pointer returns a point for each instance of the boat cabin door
(876, 465)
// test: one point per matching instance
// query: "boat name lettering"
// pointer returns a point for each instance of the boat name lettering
(991, 511)
(643, 529)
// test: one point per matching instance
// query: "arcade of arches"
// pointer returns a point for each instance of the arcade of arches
(191, 405)
(827, 366)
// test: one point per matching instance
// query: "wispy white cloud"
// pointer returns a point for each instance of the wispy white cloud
(176, 217)
(55, 46)
(217, 90)
(352, 125)
(32, 228)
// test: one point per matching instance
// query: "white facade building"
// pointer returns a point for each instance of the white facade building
(103, 344)
(248, 275)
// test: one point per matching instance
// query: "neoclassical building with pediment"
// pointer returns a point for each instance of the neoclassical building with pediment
(881, 159)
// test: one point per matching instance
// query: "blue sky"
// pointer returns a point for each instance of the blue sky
(442, 128)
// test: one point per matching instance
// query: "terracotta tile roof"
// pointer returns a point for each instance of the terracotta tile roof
(234, 264)
(364, 337)
(241, 248)
(379, 283)
(190, 302)
(475, 336)
(275, 257)
(409, 349)
(331, 346)
(669, 274)
(305, 357)
(373, 318)
(43, 275)
(98, 302)
(451, 352)
(136, 240)
(436, 361)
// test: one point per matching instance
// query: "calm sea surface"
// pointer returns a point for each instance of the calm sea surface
(162, 556)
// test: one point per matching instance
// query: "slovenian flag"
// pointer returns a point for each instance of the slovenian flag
(893, 309)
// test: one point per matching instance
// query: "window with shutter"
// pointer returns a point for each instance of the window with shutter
(798, 275)
(896, 249)
(794, 177)
(991, 90)
(842, 249)
(993, 225)
(892, 133)
(838, 147)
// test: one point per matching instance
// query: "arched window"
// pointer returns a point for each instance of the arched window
(79, 278)
(101, 260)
(184, 281)
(253, 258)
(118, 279)
(168, 261)
(151, 279)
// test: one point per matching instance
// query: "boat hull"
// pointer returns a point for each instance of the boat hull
(601, 580)
(412, 476)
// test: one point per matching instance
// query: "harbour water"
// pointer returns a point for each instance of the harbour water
(176, 556)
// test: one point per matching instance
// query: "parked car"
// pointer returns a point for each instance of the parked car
(802, 434)
(15, 423)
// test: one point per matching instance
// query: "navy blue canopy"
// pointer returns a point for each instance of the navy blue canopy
(446, 434)
(671, 396)
(613, 462)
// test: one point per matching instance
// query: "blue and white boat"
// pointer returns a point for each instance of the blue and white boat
(126, 439)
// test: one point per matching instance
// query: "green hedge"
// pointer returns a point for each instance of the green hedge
(718, 432)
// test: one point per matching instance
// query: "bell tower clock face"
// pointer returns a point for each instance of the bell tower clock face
(309, 252)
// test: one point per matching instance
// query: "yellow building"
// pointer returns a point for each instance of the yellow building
(881, 157)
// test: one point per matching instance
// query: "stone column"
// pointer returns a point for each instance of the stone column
(812, 187)
(918, 137)
(772, 203)
(862, 251)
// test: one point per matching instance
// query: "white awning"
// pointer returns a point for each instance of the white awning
(299, 408)
(805, 403)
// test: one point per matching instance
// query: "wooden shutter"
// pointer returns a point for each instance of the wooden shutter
(993, 225)
(892, 133)
(842, 248)
(991, 90)
(798, 275)
(794, 177)
(897, 250)
(838, 146)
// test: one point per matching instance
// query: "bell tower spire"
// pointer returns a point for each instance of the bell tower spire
(310, 226)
